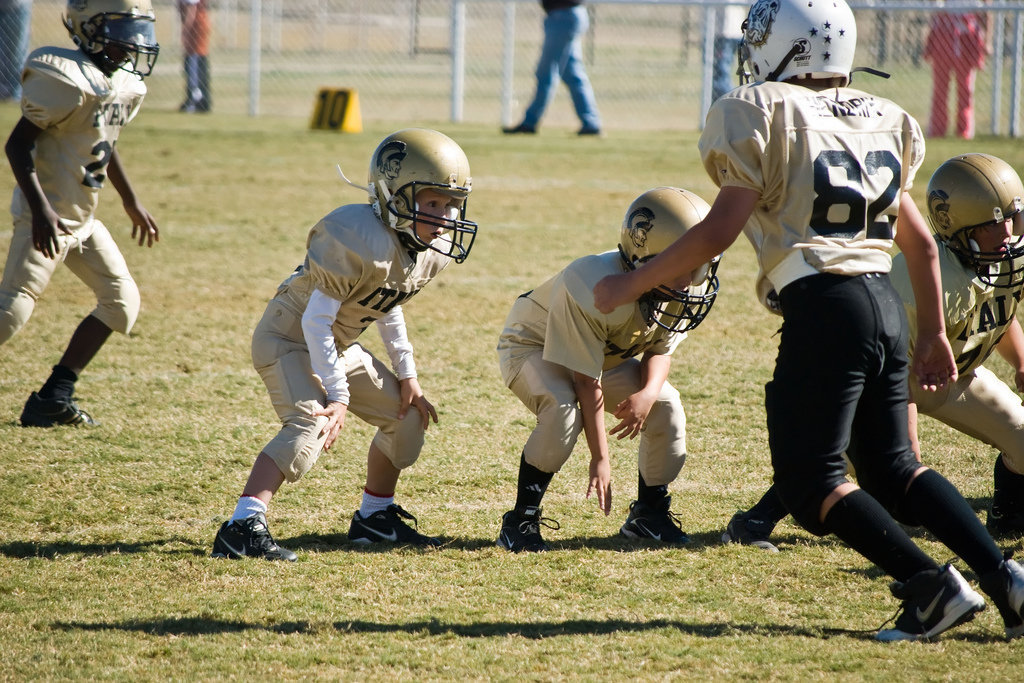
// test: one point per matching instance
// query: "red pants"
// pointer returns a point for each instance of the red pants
(942, 70)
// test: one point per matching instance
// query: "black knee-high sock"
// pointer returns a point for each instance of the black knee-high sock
(60, 385)
(532, 485)
(650, 494)
(863, 524)
(1008, 489)
(770, 508)
(944, 512)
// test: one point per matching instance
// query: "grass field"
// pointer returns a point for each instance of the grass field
(105, 534)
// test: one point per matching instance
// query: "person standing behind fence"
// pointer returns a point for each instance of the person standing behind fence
(955, 46)
(728, 34)
(14, 29)
(195, 42)
(562, 55)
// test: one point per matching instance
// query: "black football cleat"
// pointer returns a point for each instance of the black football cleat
(50, 412)
(249, 537)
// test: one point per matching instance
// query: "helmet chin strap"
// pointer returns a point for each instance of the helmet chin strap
(369, 190)
(774, 75)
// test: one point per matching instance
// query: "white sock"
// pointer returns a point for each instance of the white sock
(372, 503)
(247, 507)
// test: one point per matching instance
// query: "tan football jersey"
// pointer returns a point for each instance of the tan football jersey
(977, 314)
(81, 111)
(354, 258)
(835, 215)
(559, 316)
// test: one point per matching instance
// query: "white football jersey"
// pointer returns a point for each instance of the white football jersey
(354, 258)
(977, 314)
(830, 167)
(559, 316)
(81, 111)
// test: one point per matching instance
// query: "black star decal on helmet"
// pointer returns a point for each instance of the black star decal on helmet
(828, 39)
(828, 25)
(814, 31)
(842, 32)
(827, 55)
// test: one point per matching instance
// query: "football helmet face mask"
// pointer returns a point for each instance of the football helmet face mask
(783, 39)
(973, 191)
(654, 220)
(116, 34)
(413, 159)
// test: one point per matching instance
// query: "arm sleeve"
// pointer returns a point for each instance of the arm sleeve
(48, 96)
(396, 341)
(323, 352)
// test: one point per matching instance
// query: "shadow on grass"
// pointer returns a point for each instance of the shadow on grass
(190, 626)
(26, 549)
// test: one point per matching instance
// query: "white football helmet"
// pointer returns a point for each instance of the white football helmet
(408, 161)
(655, 220)
(783, 39)
(116, 34)
(971, 191)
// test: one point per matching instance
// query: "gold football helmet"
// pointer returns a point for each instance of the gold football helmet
(116, 34)
(971, 191)
(654, 220)
(408, 161)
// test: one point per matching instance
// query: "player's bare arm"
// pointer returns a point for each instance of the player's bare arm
(412, 395)
(633, 411)
(144, 228)
(699, 245)
(933, 362)
(1011, 348)
(591, 398)
(46, 224)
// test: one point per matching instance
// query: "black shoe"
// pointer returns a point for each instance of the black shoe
(249, 537)
(1006, 588)
(747, 530)
(1005, 523)
(589, 130)
(48, 412)
(654, 521)
(521, 128)
(521, 531)
(934, 601)
(386, 526)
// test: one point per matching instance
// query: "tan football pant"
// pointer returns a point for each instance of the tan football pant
(981, 405)
(280, 355)
(547, 390)
(95, 260)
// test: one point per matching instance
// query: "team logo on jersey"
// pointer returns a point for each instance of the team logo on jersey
(759, 22)
(389, 160)
(640, 223)
(938, 203)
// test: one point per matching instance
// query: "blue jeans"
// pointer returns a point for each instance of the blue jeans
(562, 56)
(14, 26)
(725, 78)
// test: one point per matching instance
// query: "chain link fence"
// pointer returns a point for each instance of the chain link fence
(473, 60)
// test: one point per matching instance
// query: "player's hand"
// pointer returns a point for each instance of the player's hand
(601, 482)
(47, 227)
(144, 228)
(632, 414)
(412, 395)
(613, 291)
(335, 413)
(933, 362)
